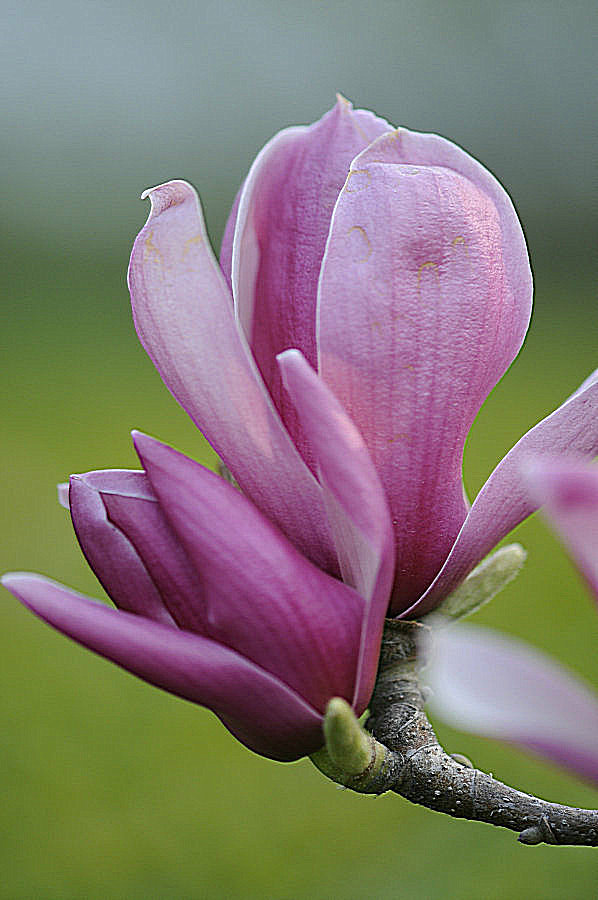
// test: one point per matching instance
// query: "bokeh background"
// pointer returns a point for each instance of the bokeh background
(110, 789)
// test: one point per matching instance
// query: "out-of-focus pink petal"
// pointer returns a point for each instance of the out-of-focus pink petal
(110, 553)
(357, 508)
(504, 501)
(185, 321)
(280, 235)
(424, 299)
(63, 494)
(493, 685)
(569, 494)
(264, 599)
(258, 708)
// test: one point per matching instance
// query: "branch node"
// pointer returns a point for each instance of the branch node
(462, 760)
(540, 833)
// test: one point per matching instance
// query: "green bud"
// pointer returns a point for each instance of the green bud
(484, 582)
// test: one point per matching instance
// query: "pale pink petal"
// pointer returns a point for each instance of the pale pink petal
(263, 598)
(568, 492)
(280, 235)
(424, 300)
(497, 686)
(504, 501)
(185, 321)
(357, 508)
(258, 708)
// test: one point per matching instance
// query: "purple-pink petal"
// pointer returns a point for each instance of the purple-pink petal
(357, 509)
(108, 550)
(280, 235)
(261, 711)
(504, 501)
(568, 491)
(180, 585)
(424, 300)
(185, 320)
(263, 598)
(490, 684)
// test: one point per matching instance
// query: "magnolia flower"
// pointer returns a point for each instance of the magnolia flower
(494, 685)
(373, 287)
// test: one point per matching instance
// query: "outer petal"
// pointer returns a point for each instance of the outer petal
(185, 321)
(504, 501)
(110, 553)
(357, 508)
(259, 709)
(263, 598)
(569, 493)
(424, 299)
(280, 235)
(493, 685)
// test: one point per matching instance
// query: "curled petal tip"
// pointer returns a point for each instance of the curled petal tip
(170, 193)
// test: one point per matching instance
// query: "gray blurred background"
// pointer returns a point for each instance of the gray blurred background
(109, 788)
(102, 99)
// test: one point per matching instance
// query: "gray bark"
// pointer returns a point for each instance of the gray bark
(419, 769)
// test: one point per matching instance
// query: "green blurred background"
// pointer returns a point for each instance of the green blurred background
(110, 789)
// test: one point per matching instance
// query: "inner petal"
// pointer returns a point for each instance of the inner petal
(280, 236)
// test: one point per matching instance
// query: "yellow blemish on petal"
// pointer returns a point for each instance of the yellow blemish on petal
(150, 249)
(360, 185)
(362, 232)
(190, 242)
(423, 268)
(402, 436)
(460, 240)
(385, 143)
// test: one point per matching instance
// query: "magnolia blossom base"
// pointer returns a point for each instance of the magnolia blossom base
(401, 753)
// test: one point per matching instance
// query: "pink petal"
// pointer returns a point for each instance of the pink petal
(280, 235)
(569, 494)
(185, 321)
(357, 508)
(131, 506)
(258, 708)
(504, 501)
(493, 685)
(263, 598)
(424, 300)
(110, 552)
(226, 249)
